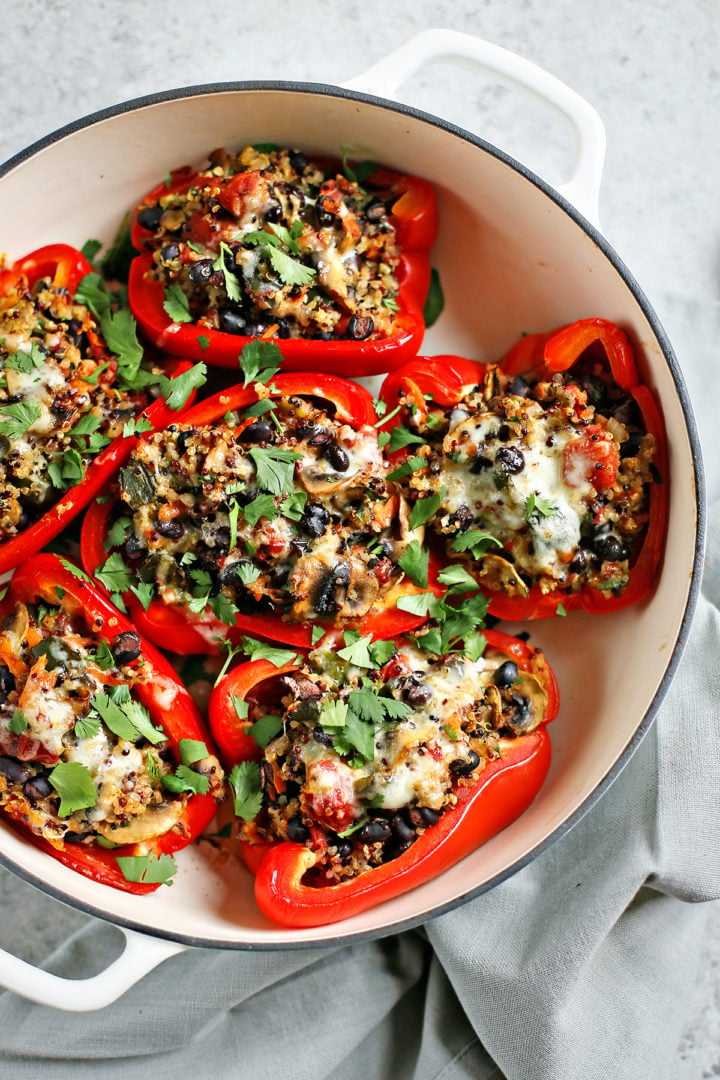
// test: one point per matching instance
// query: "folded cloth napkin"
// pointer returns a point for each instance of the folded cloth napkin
(581, 966)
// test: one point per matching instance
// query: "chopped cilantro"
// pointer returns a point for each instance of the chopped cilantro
(90, 249)
(115, 574)
(17, 418)
(18, 722)
(536, 506)
(316, 633)
(265, 729)
(415, 561)
(293, 506)
(144, 592)
(176, 391)
(435, 300)
(87, 727)
(275, 468)
(203, 341)
(401, 436)
(333, 714)
(67, 469)
(126, 718)
(457, 579)
(232, 285)
(425, 508)
(192, 750)
(137, 426)
(177, 305)
(260, 650)
(240, 706)
(147, 869)
(560, 609)
(261, 506)
(186, 779)
(412, 465)
(244, 779)
(74, 784)
(475, 541)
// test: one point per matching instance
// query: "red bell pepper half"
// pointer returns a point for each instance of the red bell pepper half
(67, 267)
(182, 631)
(503, 790)
(446, 380)
(414, 216)
(47, 579)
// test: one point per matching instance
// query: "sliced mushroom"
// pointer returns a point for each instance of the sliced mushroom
(155, 821)
(497, 573)
(12, 638)
(527, 706)
(341, 588)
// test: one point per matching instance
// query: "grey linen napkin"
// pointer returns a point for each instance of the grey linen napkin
(582, 966)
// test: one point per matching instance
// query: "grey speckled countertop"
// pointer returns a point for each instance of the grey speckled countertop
(651, 68)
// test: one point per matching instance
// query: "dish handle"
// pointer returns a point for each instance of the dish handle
(435, 46)
(140, 955)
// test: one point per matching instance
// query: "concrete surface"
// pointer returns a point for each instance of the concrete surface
(652, 69)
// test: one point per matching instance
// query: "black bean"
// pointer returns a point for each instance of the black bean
(344, 848)
(257, 432)
(359, 327)
(171, 530)
(521, 713)
(170, 252)
(72, 837)
(610, 548)
(230, 572)
(325, 601)
(37, 788)
(183, 439)
(321, 736)
(631, 445)
(375, 211)
(133, 548)
(462, 518)
(125, 647)
(429, 816)
(418, 693)
(202, 270)
(298, 161)
(149, 217)
(465, 766)
(297, 831)
(274, 213)
(504, 433)
(255, 329)
(519, 387)
(479, 463)
(510, 459)
(326, 218)
(579, 562)
(15, 772)
(314, 434)
(284, 329)
(336, 456)
(375, 831)
(7, 679)
(315, 520)
(233, 322)
(506, 674)
(402, 832)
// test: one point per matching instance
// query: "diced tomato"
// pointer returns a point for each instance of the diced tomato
(592, 458)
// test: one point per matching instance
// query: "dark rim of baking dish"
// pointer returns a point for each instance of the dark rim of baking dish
(602, 786)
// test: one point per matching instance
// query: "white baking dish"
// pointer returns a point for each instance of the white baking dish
(514, 256)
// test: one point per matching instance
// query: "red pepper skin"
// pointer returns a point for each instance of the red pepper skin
(444, 378)
(164, 695)
(505, 788)
(416, 222)
(185, 633)
(68, 267)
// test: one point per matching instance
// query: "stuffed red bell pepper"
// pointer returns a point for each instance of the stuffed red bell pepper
(365, 771)
(546, 474)
(266, 511)
(72, 385)
(104, 759)
(265, 243)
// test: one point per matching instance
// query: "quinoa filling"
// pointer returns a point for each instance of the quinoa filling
(266, 243)
(288, 513)
(542, 483)
(358, 761)
(60, 404)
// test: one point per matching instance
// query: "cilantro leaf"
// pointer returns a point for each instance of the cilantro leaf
(232, 285)
(435, 300)
(536, 506)
(176, 391)
(87, 727)
(115, 574)
(457, 579)
(290, 271)
(380, 652)
(265, 729)
(260, 650)
(261, 506)
(415, 561)
(120, 332)
(177, 304)
(293, 506)
(126, 718)
(400, 436)
(74, 784)
(358, 735)
(275, 468)
(240, 706)
(259, 361)
(18, 722)
(186, 779)
(90, 249)
(356, 650)
(74, 570)
(144, 591)
(317, 633)
(17, 418)
(115, 263)
(137, 426)
(244, 779)
(423, 603)
(426, 508)
(334, 713)
(192, 750)
(475, 541)
(67, 469)
(412, 465)
(147, 869)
